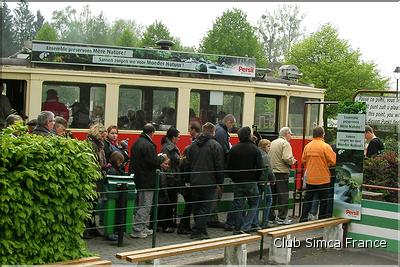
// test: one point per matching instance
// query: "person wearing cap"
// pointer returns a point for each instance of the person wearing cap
(281, 159)
(52, 104)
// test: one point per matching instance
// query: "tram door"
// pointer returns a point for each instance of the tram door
(266, 116)
(15, 91)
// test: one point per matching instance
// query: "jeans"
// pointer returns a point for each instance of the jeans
(142, 216)
(322, 192)
(243, 219)
(314, 205)
(266, 191)
(202, 198)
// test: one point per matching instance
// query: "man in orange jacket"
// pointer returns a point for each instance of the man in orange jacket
(317, 157)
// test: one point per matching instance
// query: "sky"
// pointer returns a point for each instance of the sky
(373, 28)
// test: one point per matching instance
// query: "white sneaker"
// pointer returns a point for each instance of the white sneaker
(285, 221)
(148, 231)
(139, 234)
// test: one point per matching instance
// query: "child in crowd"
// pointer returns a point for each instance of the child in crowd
(163, 199)
(116, 161)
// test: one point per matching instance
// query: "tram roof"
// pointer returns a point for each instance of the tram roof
(24, 59)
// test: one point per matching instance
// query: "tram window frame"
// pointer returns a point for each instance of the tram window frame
(148, 97)
(91, 106)
(275, 115)
(218, 111)
(16, 92)
(313, 113)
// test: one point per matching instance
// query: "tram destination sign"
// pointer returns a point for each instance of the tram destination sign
(143, 58)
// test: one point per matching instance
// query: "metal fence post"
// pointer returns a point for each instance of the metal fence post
(155, 209)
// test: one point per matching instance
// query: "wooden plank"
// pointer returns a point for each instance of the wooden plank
(308, 227)
(123, 255)
(273, 229)
(99, 262)
(193, 248)
(77, 261)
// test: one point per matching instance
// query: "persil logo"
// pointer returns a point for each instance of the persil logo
(353, 213)
(246, 69)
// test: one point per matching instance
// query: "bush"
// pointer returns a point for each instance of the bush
(46, 188)
(382, 170)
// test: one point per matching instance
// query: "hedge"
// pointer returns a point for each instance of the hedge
(46, 189)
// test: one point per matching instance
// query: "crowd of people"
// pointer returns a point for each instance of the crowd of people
(260, 174)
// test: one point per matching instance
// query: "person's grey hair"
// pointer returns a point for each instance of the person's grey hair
(284, 131)
(12, 119)
(208, 128)
(229, 117)
(44, 117)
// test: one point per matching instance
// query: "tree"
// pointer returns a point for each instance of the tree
(119, 27)
(94, 29)
(65, 24)
(158, 31)
(46, 33)
(279, 30)
(7, 32)
(126, 39)
(82, 27)
(329, 62)
(39, 21)
(233, 35)
(24, 22)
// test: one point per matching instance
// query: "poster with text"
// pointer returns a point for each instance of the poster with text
(349, 163)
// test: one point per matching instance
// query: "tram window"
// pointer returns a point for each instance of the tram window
(81, 104)
(296, 111)
(140, 105)
(12, 99)
(265, 115)
(207, 106)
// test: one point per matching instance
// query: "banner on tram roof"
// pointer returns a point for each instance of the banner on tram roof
(143, 58)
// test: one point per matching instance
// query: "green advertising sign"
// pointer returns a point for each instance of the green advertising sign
(143, 58)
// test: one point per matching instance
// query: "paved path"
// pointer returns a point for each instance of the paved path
(300, 256)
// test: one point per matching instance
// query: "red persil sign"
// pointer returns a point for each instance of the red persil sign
(246, 69)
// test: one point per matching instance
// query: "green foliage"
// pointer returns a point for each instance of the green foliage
(46, 33)
(279, 30)
(233, 35)
(329, 62)
(349, 107)
(82, 27)
(120, 27)
(127, 39)
(8, 46)
(46, 189)
(24, 23)
(158, 31)
(382, 170)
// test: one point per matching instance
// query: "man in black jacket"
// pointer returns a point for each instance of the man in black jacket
(375, 145)
(222, 137)
(205, 155)
(243, 157)
(144, 163)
